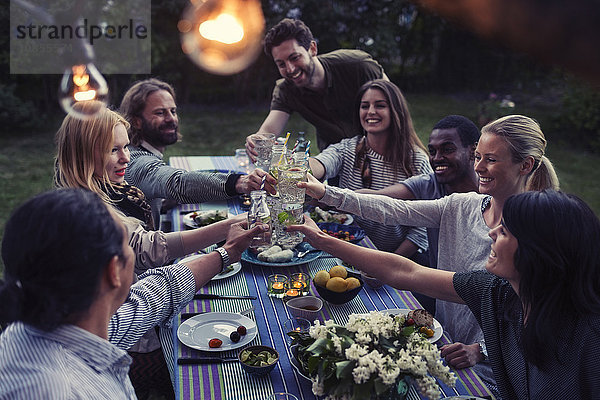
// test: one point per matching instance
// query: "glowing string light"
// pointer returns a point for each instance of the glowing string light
(225, 29)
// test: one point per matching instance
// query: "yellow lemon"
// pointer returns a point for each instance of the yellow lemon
(337, 284)
(352, 283)
(338, 270)
(321, 278)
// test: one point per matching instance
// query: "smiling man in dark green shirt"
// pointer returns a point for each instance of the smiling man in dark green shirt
(321, 88)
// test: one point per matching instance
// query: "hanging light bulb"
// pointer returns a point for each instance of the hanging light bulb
(222, 36)
(82, 83)
(83, 91)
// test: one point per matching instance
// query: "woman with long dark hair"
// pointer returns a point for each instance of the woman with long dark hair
(537, 302)
(387, 151)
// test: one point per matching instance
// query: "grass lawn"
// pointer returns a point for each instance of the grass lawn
(26, 158)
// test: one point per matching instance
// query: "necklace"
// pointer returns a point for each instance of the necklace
(485, 203)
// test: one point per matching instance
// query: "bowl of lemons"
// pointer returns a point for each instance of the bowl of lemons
(338, 285)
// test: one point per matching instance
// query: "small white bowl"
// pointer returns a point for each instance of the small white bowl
(307, 307)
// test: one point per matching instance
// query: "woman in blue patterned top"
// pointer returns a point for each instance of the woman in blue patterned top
(537, 302)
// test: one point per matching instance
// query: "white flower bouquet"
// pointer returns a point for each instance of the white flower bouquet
(369, 358)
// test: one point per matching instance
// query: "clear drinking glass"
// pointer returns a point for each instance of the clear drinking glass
(263, 144)
(300, 158)
(274, 204)
(242, 160)
(291, 214)
(278, 160)
(287, 184)
(259, 213)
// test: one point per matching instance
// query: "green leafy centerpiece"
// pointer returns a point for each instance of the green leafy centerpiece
(374, 356)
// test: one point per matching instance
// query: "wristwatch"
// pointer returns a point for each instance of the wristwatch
(224, 258)
(483, 350)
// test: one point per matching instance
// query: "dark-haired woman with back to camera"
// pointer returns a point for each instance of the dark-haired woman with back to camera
(69, 300)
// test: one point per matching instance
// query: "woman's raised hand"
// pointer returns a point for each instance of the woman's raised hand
(312, 233)
(314, 188)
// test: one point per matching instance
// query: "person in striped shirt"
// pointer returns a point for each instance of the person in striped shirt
(94, 154)
(388, 152)
(69, 298)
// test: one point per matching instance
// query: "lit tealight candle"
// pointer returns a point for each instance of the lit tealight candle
(292, 293)
(298, 285)
(301, 282)
(277, 286)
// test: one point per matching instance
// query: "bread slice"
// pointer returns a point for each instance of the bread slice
(421, 317)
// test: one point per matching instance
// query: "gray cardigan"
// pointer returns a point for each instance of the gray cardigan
(159, 181)
(464, 244)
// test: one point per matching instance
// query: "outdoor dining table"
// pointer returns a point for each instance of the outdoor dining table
(227, 380)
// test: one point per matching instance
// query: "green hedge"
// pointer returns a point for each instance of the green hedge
(579, 116)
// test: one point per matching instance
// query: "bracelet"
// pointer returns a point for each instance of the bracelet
(224, 258)
(483, 349)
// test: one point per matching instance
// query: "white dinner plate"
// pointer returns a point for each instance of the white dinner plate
(349, 220)
(437, 327)
(237, 267)
(188, 219)
(198, 330)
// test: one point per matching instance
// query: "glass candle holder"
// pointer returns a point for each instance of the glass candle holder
(301, 282)
(291, 293)
(290, 214)
(277, 285)
(295, 325)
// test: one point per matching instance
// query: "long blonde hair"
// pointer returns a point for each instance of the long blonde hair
(526, 139)
(79, 141)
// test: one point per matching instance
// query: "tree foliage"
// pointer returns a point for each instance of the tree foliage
(419, 51)
(578, 118)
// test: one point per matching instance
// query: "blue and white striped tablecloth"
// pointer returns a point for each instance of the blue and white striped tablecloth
(227, 380)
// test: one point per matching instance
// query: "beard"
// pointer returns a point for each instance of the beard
(155, 135)
(308, 72)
